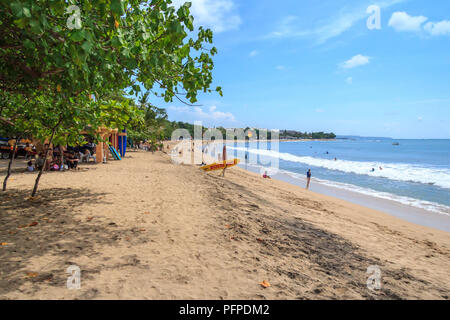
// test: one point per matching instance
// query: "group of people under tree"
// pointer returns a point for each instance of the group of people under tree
(61, 158)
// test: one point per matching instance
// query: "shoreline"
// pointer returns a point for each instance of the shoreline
(413, 214)
(255, 140)
(394, 208)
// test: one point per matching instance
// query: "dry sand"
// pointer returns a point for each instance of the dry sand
(144, 228)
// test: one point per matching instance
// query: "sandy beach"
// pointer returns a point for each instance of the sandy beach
(145, 228)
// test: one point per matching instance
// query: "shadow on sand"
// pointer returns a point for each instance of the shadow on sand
(47, 226)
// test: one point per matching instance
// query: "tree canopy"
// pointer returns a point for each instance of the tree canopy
(117, 44)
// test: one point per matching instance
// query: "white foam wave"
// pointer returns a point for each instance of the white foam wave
(421, 204)
(394, 171)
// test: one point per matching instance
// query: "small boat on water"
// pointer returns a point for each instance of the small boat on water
(395, 144)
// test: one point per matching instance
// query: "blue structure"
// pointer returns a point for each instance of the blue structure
(122, 143)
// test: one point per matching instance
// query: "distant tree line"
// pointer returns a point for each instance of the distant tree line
(171, 126)
(291, 134)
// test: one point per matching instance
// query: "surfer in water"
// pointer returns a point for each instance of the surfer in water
(308, 178)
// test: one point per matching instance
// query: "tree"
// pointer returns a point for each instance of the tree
(120, 44)
(153, 121)
(11, 106)
(114, 45)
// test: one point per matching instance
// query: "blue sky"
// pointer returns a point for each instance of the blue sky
(316, 66)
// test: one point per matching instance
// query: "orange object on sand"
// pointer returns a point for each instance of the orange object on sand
(220, 165)
(31, 274)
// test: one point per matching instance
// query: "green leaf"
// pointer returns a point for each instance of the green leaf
(87, 46)
(26, 12)
(16, 8)
(29, 44)
(77, 35)
(117, 7)
(35, 26)
(19, 10)
(21, 23)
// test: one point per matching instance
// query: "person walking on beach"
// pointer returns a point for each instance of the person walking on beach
(308, 178)
(224, 155)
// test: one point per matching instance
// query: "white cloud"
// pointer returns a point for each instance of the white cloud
(320, 110)
(254, 53)
(326, 29)
(180, 109)
(401, 21)
(219, 15)
(356, 61)
(280, 68)
(438, 28)
(419, 119)
(219, 115)
(349, 80)
(200, 114)
(286, 29)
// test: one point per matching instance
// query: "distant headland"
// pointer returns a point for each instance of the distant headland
(255, 134)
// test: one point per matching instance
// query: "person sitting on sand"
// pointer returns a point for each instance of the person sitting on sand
(30, 167)
(40, 161)
(86, 156)
(72, 161)
(265, 176)
(55, 164)
(308, 178)
(54, 167)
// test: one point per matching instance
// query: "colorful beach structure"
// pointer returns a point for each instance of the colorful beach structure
(112, 137)
(122, 144)
(109, 136)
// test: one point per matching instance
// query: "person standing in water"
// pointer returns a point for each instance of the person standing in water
(308, 178)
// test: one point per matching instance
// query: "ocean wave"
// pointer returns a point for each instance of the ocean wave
(416, 203)
(421, 204)
(394, 171)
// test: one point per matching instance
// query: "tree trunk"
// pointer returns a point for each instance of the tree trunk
(11, 160)
(62, 160)
(36, 183)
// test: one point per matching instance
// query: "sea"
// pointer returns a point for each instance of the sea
(415, 173)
